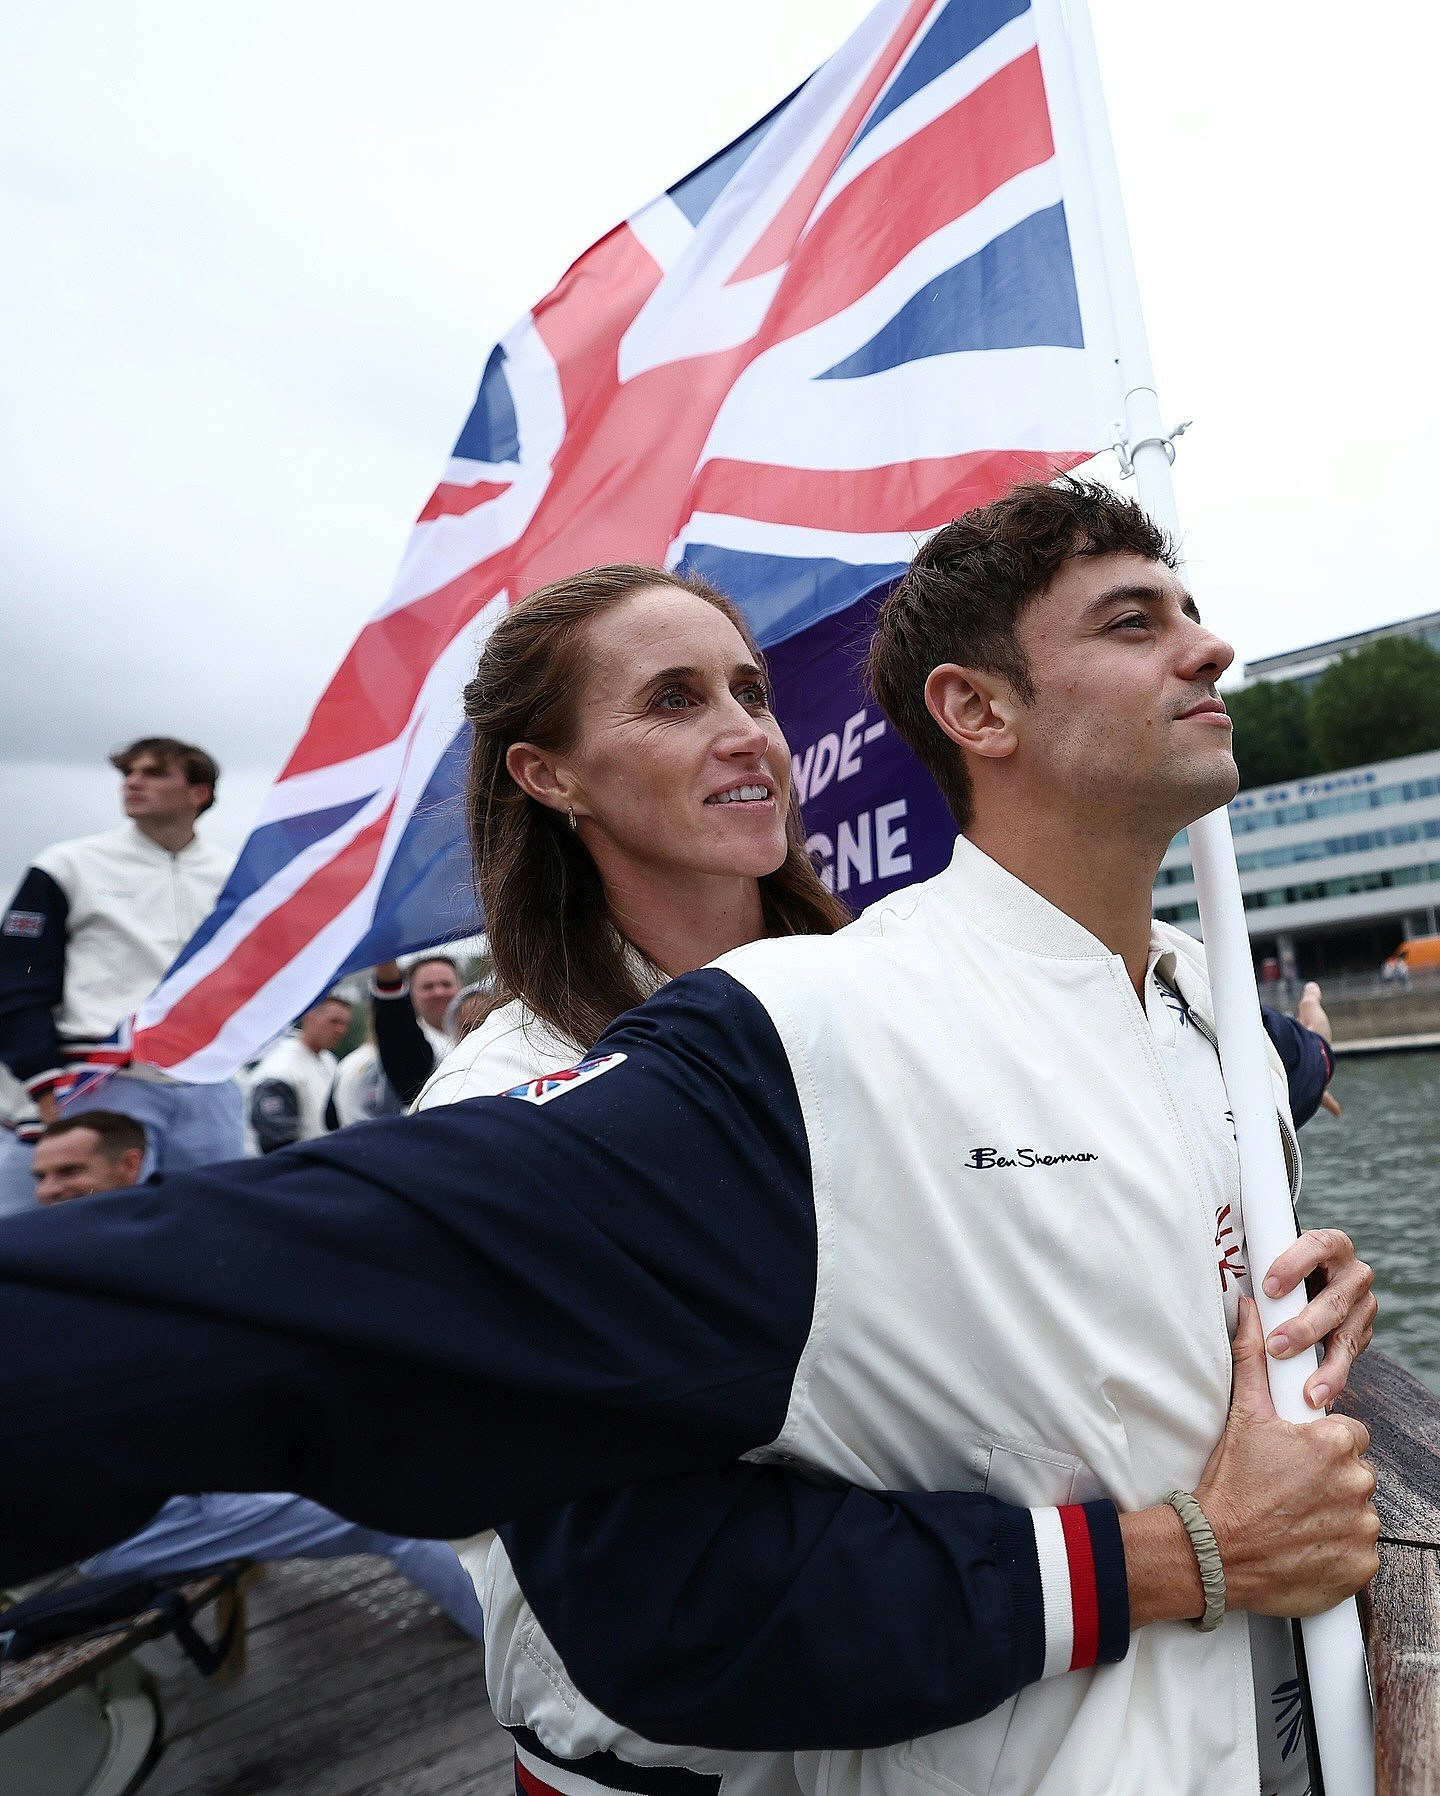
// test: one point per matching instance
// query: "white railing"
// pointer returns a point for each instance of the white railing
(1284, 994)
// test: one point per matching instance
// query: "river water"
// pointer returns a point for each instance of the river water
(1375, 1172)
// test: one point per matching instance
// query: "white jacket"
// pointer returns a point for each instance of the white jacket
(306, 1076)
(1020, 1295)
(132, 908)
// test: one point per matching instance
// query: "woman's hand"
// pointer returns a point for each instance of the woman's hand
(1342, 1315)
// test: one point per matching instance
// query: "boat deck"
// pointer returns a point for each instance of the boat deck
(355, 1685)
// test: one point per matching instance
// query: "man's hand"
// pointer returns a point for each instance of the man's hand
(45, 1105)
(1311, 1013)
(1290, 1503)
(1343, 1315)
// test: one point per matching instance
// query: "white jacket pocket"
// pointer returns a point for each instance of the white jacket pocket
(1033, 1478)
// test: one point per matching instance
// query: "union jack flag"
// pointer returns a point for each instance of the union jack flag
(880, 306)
(550, 1085)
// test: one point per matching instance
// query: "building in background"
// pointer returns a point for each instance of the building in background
(1306, 665)
(1336, 870)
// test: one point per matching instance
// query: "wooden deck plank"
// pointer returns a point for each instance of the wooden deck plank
(296, 1652)
(356, 1685)
(453, 1773)
(308, 1702)
(277, 1598)
(377, 1689)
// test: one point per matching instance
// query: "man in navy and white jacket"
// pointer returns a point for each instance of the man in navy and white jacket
(89, 933)
(943, 1204)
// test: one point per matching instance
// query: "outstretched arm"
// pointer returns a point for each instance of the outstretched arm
(427, 1323)
(431, 1324)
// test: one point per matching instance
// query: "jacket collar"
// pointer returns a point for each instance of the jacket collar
(142, 844)
(1014, 913)
(1180, 964)
(1005, 907)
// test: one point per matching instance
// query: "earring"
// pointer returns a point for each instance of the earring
(570, 813)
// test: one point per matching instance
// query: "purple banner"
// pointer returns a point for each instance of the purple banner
(874, 819)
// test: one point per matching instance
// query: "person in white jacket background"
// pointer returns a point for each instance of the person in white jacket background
(91, 929)
(289, 1087)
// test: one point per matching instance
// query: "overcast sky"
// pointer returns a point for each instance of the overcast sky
(255, 257)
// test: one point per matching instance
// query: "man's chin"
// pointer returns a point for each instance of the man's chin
(1211, 788)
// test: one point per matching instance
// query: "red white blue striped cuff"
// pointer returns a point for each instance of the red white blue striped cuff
(1083, 1586)
(39, 1083)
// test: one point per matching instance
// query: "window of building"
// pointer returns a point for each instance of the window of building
(1380, 880)
(1327, 848)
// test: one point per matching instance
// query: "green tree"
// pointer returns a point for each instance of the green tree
(1376, 703)
(1272, 732)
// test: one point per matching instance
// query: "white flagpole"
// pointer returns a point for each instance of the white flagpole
(1334, 1646)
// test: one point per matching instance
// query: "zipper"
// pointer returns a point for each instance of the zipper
(1177, 1121)
(1288, 1139)
(176, 892)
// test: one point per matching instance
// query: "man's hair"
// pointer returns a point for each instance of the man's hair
(199, 768)
(329, 998)
(118, 1133)
(435, 960)
(961, 598)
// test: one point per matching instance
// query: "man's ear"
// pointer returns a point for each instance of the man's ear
(976, 710)
(128, 1166)
(540, 776)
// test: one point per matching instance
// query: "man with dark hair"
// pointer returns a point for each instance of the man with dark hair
(942, 1210)
(969, 585)
(91, 930)
(963, 596)
(80, 1155)
(150, 757)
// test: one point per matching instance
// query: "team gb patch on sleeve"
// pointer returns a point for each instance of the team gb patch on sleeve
(554, 1085)
(28, 923)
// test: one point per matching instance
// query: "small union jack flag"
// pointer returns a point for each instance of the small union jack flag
(551, 1085)
(880, 306)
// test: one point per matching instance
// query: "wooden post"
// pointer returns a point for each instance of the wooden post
(1401, 1610)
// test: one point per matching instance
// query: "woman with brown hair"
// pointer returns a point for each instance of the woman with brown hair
(632, 818)
(630, 811)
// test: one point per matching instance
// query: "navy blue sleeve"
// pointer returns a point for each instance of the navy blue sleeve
(1308, 1060)
(406, 1058)
(747, 1609)
(432, 1323)
(274, 1114)
(32, 977)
